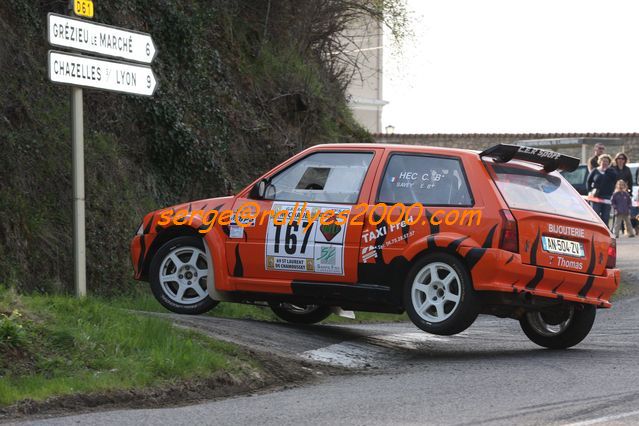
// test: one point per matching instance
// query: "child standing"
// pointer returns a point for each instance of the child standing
(622, 202)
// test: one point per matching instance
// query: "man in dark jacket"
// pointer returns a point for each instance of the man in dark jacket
(593, 162)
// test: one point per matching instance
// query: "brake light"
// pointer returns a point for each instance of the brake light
(612, 255)
(509, 237)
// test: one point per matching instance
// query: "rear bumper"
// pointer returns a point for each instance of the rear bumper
(503, 271)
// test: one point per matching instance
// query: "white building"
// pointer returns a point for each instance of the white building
(365, 45)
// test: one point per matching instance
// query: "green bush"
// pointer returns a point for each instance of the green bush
(12, 333)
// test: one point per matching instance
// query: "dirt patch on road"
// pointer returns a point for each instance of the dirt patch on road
(274, 373)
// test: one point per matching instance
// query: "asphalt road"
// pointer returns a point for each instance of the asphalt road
(628, 259)
(490, 373)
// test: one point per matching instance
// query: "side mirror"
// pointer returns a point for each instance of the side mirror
(259, 190)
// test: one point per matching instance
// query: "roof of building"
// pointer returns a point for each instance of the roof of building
(511, 135)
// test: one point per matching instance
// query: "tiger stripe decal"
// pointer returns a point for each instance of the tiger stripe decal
(591, 279)
(238, 270)
(455, 244)
(539, 275)
(533, 248)
(474, 254)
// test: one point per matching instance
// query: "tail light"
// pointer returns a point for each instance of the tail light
(612, 255)
(509, 237)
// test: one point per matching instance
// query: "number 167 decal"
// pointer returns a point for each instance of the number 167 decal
(318, 250)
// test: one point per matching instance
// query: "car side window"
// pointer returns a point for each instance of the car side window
(423, 179)
(333, 177)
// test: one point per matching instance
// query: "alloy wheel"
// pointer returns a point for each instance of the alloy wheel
(436, 292)
(183, 274)
(545, 328)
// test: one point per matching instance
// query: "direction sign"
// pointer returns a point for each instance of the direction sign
(83, 71)
(78, 34)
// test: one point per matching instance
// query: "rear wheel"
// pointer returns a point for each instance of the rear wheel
(439, 296)
(300, 314)
(559, 329)
(178, 276)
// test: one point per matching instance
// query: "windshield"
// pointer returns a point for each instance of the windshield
(528, 189)
(576, 177)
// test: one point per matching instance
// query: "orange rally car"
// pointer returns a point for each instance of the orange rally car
(531, 249)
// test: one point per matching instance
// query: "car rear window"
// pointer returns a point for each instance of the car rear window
(527, 189)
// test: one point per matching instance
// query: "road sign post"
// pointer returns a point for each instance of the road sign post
(81, 71)
(79, 241)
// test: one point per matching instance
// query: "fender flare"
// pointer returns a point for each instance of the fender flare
(214, 248)
(448, 241)
(211, 279)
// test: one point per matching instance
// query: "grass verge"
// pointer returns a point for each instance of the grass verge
(144, 301)
(55, 346)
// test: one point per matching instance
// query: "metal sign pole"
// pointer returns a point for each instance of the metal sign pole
(79, 246)
(91, 72)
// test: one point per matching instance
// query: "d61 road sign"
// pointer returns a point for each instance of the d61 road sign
(83, 71)
(83, 8)
(78, 34)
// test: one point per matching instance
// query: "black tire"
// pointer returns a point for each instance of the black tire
(457, 316)
(161, 292)
(300, 314)
(583, 317)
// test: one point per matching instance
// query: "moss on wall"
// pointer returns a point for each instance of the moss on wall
(234, 100)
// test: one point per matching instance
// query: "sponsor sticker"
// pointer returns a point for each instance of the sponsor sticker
(319, 250)
(236, 231)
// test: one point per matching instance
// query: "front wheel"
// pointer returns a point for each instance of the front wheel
(178, 276)
(300, 314)
(559, 330)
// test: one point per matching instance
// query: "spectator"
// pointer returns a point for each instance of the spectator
(621, 202)
(601, 184)
(623, 172)
(593, 163)
(634, 211)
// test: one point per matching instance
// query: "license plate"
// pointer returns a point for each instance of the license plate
(561, 246)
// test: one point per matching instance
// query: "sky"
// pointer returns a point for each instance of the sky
(516, 66)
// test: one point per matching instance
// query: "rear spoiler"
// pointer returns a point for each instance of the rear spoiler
(551, 160)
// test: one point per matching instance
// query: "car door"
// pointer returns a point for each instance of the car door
(416, 195)
(288, 241)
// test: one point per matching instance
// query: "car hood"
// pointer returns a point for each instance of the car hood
(218, 203)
